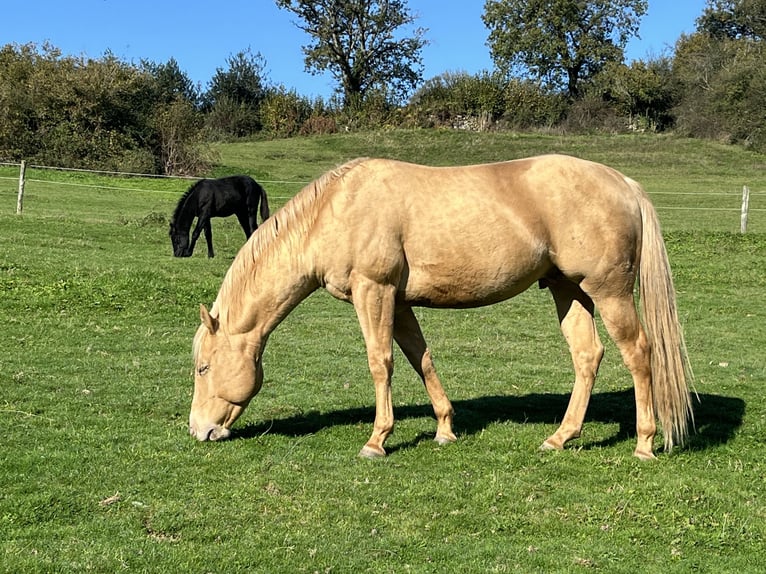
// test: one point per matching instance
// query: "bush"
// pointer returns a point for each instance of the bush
(593, 114)
(284, 112)
(643, 94)
(319, 125)
(459, 100)
(229, 119)
(723, 82)
(526, 105)
(485, 101)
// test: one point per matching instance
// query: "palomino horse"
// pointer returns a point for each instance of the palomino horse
(386, 236)
(234, 195)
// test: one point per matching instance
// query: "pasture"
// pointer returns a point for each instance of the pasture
(98, 473)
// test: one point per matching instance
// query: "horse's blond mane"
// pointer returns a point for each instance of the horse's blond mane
(285, 227)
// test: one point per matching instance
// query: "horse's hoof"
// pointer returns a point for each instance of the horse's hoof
(644, 455)
(371, 452)
(441, 439)
(549, 446)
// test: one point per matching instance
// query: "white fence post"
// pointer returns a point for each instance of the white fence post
(745, 209)
(22, 179)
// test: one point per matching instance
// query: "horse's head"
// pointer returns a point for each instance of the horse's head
(227, 374)
(180, 241)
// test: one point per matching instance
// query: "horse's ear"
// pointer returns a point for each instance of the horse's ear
(208, 320)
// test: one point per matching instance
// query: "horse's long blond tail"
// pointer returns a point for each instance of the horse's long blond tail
(671, 371)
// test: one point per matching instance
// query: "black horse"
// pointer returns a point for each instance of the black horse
(235, 195)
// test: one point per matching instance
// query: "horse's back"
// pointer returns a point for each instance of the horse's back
(479, 234)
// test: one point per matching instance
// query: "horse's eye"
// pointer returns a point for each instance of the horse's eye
(203, 369)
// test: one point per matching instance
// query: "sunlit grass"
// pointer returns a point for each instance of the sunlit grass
(98, 473)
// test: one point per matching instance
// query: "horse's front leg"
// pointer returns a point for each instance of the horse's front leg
(209, 238)
(374, 305)
(409, 337)
(202, 224)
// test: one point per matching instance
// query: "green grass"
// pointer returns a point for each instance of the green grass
(97, 472)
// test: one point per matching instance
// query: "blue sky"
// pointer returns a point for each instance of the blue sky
(201, 35)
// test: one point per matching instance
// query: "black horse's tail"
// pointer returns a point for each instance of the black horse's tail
(264, 202)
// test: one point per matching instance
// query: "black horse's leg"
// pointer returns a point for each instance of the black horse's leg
(202, 223)
(252, 210)
(246, 223)
(209, 238)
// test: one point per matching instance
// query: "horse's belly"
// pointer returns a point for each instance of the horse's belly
(467, 286)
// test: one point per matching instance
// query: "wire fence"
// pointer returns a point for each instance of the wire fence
(713, 204)
(23, 180)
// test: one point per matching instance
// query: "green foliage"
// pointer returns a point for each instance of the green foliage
(97, 472)
(93, 113)
(243, 82)
(285, 113)
(527, 106)
(722, 84)
(171, 83)
(453, 97)
(484, 100)
(182, 149)
(720, 69)
(734, 19)
(359, 43)
(235, 96)
(644, 93)
(564, 42)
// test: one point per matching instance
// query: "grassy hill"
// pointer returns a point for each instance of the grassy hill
(677, 172)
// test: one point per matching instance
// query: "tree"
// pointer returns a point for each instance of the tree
(734, 19)
(644, 92)
(243, 82)
(99, 113)
(171, 82)
(722, 81)
(355, 40)
(560, 42)
(181, 149)
(235, 95)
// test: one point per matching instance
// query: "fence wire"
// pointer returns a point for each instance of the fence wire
(130, 175)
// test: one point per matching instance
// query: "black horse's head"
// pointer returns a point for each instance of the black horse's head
(180, 241)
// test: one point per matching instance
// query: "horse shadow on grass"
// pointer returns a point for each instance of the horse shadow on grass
(716, 418)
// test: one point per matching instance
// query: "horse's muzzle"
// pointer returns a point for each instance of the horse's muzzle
(209, 432)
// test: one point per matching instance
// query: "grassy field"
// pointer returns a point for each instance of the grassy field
(97, 472)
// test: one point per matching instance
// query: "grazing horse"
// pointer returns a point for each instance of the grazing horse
(386, 236)
(235, 195)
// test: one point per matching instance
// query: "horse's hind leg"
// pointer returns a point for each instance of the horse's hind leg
(252, 211)
(409, 337)
(575, 311)
(245, 222)
(621, 321)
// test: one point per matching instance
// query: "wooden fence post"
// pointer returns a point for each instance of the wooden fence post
(22, 179)
(745, 209)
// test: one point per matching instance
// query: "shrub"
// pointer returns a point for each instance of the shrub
(459, 100)
(723, 81)
(526, 105)
(284, 112)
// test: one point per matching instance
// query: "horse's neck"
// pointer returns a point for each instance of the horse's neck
(188, 211)
(266, 293)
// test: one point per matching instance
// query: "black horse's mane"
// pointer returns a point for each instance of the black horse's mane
(182, 201)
